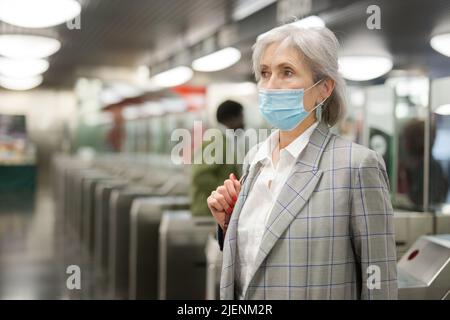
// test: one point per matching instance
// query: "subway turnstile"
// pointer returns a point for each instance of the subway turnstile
(424, 270)
(146, 216)
(213, 268)
(182, 260)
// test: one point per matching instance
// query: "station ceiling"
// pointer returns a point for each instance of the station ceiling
(126, 34)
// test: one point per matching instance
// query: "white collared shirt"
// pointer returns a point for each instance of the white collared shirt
(260, 201)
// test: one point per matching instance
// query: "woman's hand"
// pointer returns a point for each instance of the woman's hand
(221, 201)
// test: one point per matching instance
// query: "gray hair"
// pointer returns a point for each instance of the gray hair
(319, 49)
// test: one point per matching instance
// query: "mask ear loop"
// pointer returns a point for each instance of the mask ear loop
(315, 84)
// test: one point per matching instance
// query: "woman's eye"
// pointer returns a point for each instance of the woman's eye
(264, 74)
(288, 73)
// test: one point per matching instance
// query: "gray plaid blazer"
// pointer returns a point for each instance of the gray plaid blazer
(330, 234)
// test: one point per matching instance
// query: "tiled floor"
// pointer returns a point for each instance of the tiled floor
(29, 265)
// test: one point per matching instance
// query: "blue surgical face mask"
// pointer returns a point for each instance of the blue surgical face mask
(284, 109)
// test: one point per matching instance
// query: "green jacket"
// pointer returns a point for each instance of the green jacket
(205, 178)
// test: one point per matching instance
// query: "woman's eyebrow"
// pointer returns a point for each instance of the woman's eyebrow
(286, 64)
(280, 65)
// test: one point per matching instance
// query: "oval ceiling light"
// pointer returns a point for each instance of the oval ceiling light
(22, 68)
(441, 43)
(173, 77)
(218, 60)
(443, 110)
(16, 46)
(20, 83)
(362, 68)
(38, 13)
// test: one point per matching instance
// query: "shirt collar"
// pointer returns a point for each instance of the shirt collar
(297, 146)
(294, 148)
(265, 149)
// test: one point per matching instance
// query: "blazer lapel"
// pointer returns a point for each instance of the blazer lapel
(229, 249)
(295, 193)
(248, 184)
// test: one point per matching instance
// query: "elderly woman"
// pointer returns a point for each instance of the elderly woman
(311, 218)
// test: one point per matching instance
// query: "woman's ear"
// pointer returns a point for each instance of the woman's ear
(327, 88)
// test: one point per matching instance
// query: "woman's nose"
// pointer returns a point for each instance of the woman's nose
(272, 83)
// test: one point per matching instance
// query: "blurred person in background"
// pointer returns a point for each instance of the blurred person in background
(313, 217)
(206, 177)
(116, 133)
(411, 168)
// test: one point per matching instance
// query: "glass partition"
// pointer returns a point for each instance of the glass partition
(439, 158)
(410, 121)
